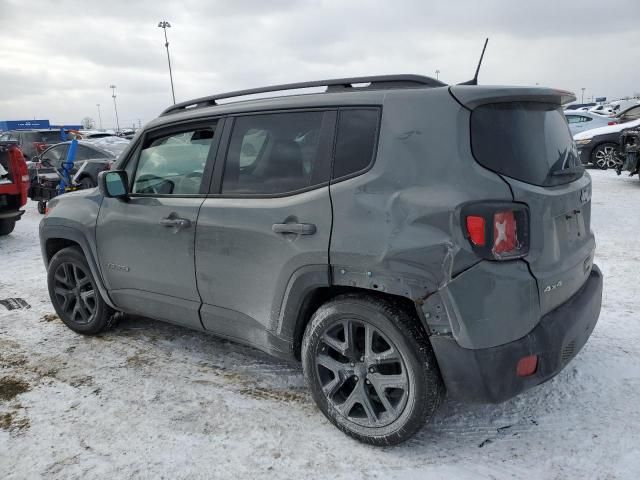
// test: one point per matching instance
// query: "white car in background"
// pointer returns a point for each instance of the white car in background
(605, 110)
(580, 121)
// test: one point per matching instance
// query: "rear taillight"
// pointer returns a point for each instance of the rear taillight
(497, 230)
(505, 232)
(612, 123)
(475, 229)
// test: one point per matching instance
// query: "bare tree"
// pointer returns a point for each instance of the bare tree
(88, 123)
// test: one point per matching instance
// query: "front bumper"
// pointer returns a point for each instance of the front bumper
(584, 152)
(488, 375)
(13, 214)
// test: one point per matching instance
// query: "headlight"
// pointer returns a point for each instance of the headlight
(585, 141)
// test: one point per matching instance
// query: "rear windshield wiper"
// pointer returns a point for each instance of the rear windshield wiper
(567, 171)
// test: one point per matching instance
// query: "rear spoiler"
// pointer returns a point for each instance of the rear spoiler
(472, 96)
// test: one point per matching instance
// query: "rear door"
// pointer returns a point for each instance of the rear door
(268, 217)
(146, 244)
(527, 142)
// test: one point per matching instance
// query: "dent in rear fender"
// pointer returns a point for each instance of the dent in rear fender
(490, 304)
(412, 273)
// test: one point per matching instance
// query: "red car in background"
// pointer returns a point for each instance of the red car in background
(14, 185)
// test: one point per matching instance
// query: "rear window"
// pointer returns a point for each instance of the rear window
(52, 136)
(528, 141)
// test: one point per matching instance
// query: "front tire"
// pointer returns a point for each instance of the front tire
(7, 226)
(371, 369)
(74, 294)
(606, 156)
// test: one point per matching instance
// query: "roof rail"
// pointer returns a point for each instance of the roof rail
(336, 85)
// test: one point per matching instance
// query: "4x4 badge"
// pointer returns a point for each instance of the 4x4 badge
(553, 286)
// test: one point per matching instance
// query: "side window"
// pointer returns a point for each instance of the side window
(274, 153)
(56, 156)
(585, 119)
(84, 153)
(573, 118)
(632, 114)
(173, 164)
(356, 142)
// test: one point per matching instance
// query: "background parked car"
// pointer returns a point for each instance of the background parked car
(580, 121)
(32, 142)
(602, 110)
(601, 146)
(629, 115)
(99, 154)
(91, 134)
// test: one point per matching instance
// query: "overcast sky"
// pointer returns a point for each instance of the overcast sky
(58, 58)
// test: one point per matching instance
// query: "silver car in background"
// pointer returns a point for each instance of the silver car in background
(580, 121)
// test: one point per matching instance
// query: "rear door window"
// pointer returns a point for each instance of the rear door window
(84, 153)
(356, 142)
(275, 154)
(528, 141)
(631, 114)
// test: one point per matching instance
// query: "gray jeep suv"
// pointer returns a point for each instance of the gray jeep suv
(399, 236)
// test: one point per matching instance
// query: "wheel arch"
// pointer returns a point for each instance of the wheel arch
(56, 238)
(298, 310)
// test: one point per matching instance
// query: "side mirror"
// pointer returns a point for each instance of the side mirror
(113, 184)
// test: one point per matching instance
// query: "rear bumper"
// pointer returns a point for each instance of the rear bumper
(489, 375)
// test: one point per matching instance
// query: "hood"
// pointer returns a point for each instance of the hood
(606, 130)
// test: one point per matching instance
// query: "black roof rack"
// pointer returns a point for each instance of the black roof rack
(336, 85)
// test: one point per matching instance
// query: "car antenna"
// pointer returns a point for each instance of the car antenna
(474, 80)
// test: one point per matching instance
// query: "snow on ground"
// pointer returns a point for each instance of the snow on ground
(150, 400)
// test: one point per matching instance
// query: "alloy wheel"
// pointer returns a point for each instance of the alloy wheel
(362, 373)
(607, 157)
(75, 293)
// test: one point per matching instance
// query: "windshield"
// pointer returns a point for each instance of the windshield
(528, 141)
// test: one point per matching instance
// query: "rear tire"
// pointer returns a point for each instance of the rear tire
(370, 368)
(7, 226)
(74, 294)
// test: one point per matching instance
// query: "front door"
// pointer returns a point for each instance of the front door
(270, 215)
(146, 244)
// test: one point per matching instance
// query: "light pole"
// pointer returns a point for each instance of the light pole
(437, 74)
(115, 107)
(164, 25)
(583, 89)
(99, 115)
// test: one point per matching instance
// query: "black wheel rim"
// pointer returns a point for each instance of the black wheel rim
(75, 293)
(362, 373)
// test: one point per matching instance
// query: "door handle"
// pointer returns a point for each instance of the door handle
(297, 228)
(175, 222)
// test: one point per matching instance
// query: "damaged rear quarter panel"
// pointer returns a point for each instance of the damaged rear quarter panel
(397, 227)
